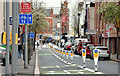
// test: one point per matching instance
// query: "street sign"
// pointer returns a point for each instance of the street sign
(25, 7)
(10, 20)
(31, 35)
(25, 18)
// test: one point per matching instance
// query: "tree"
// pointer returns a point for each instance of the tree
(110, 13)
(76, 18)
(39, 19)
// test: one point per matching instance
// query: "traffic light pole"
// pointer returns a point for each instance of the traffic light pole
(14, 9)
(16, 46)
(7, 39)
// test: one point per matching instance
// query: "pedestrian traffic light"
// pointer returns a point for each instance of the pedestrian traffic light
(4, 38)
(11, 39)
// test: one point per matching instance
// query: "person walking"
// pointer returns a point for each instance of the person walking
(19, 50)
(37, 44)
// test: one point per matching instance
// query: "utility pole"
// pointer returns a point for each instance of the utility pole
(26, 48)
(16, 46)
(14, 9)
(7, 38)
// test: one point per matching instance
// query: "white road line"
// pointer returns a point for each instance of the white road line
(67, 72)
(36, 70)
(57, 66)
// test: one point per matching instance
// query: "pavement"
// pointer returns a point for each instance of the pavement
(114, 58)
(20, 69)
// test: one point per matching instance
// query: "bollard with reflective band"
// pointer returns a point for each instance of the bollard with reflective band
(96, 55)
(71, 53)
(63, 54)
(67, 53)
(84, 57)
(58, 52)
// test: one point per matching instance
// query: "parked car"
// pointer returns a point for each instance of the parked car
(79, 47)
(67, 45)
(3, 54)
(90, 47)
(103, 52)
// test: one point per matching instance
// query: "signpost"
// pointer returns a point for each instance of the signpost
(84, 57)
(96, 55)
(25, 19)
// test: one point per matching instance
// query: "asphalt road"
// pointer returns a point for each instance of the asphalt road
(50, 63)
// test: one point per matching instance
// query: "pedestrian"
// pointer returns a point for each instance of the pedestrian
(19, 50)
(37, 44)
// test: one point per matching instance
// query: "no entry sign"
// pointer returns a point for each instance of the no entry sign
(25, 7)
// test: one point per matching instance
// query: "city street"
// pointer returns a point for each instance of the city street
(49, 63)
(60, 37)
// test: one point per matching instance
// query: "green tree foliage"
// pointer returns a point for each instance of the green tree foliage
(109, 12)
(39, 18)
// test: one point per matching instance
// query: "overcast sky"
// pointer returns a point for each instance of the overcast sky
(51, 3)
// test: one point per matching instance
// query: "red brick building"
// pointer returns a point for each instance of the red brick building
(48, 31)
(64, 17)
(107, 33)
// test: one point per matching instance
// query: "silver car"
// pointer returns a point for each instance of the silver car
(103, 52)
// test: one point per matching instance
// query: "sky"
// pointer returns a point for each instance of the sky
(51, 3)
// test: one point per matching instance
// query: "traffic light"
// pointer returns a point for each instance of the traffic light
(4, 38)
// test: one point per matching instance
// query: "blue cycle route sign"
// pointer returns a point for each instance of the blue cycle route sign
(25, 18)
(31, 35)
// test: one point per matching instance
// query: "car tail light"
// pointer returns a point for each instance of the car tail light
(108, 51)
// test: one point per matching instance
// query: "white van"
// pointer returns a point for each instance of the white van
(76, 41)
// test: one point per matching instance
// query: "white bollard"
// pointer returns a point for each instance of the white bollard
(63, 54)
(71, 53)
(96, 55)
(84, 57)
(58, 52)
(67, 53)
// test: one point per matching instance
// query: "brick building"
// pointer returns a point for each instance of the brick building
(64, 17)
(49, 18)
(107, 33)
